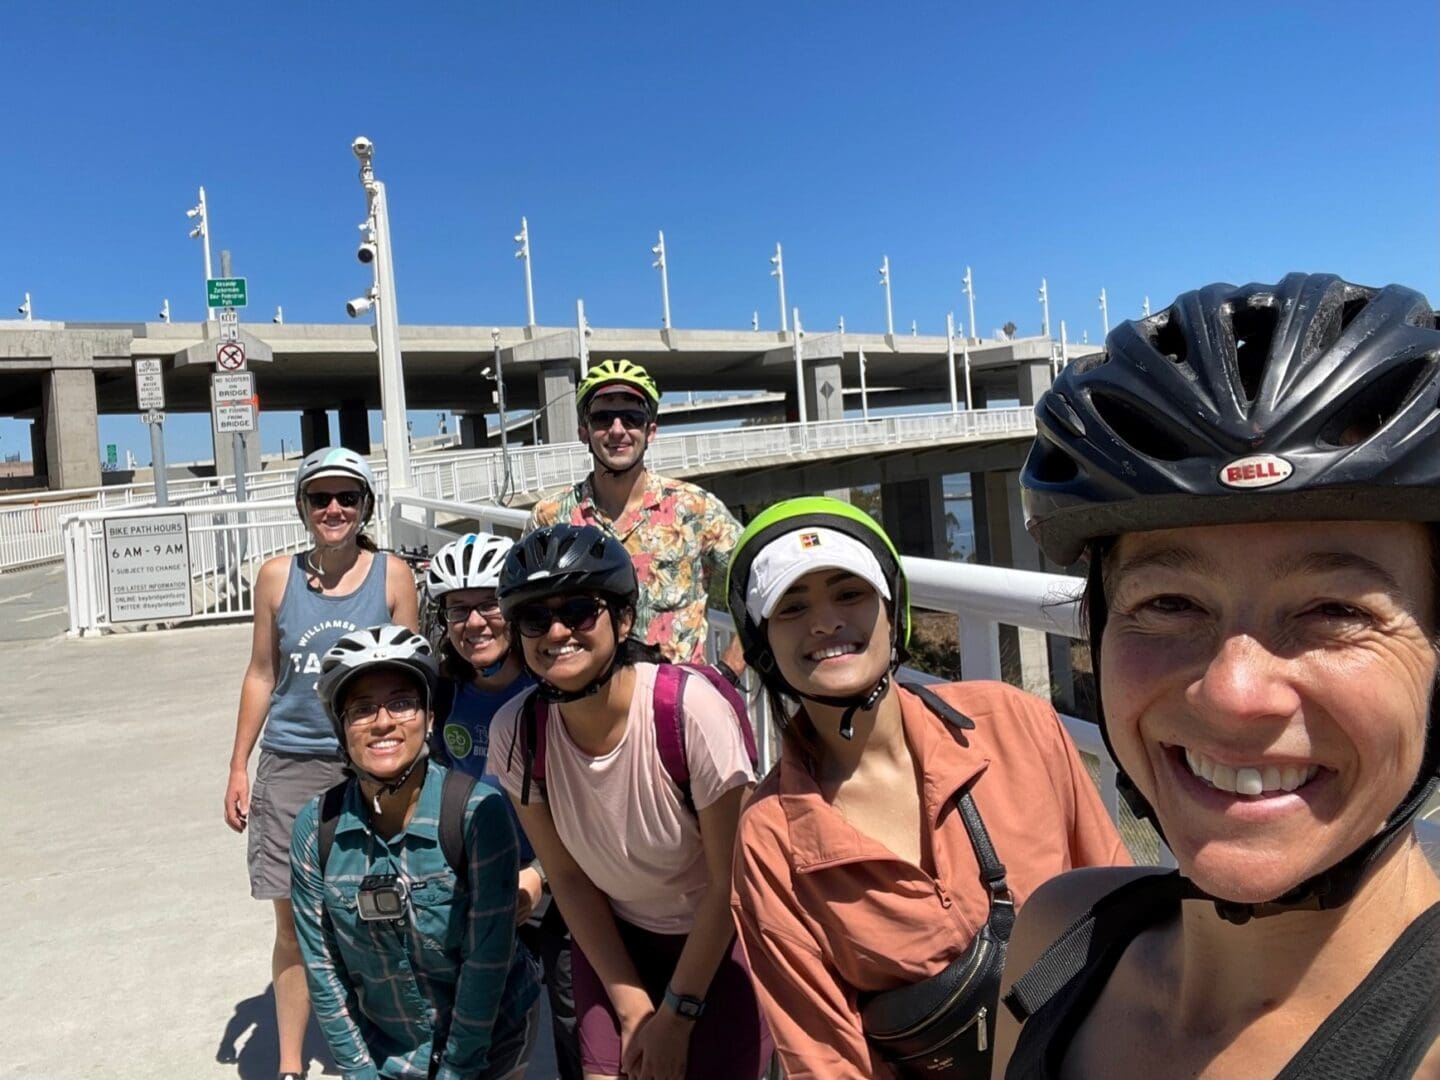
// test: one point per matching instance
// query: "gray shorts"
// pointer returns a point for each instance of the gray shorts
(283, 784)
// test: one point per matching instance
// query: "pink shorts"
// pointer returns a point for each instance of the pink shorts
(731, 1041)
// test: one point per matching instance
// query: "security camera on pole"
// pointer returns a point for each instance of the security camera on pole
(374, 251)
(778, 262)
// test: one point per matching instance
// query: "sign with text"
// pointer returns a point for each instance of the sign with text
(239, 386)
(225, 292)
(147, 568)
(149, 383)
(234, 418)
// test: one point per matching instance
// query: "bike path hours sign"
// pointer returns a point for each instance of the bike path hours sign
(147, 568)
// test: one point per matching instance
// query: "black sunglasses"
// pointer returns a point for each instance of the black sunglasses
(578, 613)
(319, 500)
(604, 419)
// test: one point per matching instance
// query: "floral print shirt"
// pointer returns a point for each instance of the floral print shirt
(680, 538)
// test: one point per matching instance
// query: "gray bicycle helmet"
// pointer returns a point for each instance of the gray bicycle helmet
(566, 559)
(1311, 400)
(472, 562)
(336, 461)
(360, 651)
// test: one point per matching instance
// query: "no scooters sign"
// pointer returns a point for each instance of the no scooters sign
(230, 356)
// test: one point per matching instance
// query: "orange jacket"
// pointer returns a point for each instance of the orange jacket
(826, 913)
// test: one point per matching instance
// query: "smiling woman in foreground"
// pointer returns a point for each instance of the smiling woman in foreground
(1254, 475)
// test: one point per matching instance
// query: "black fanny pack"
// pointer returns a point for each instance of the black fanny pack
(944, 1026)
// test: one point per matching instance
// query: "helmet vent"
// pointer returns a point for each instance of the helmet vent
(1167, 339)
(1376, 404)
(1254, 332)
(1325, 331)
(1136, 429)
(1051, 464)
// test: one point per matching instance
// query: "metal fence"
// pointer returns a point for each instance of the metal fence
(30, 530)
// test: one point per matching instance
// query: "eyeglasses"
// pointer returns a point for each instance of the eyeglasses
(604, 419)
(578, 613)
(458, 613)
(319, 500)
(364, 714)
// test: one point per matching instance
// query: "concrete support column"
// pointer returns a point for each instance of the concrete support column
(1001, 540)
(355, 427)
(314, 430)
(1032, 379)
(71, 430)
(473, 430)
(559, 415)
(40, 462)
(981, 395)
(913, 513)
(824, 399)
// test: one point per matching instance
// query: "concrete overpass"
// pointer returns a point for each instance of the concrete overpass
(62, 375)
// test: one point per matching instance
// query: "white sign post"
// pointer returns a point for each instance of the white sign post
(147, 568)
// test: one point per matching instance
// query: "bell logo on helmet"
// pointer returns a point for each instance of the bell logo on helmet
(1256, 471)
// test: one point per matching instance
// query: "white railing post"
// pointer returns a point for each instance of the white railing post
(979, 648)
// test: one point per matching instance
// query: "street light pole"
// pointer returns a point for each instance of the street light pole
(201, 213)
(523, 239)
(778, 262)
(885, 282)
(799, 370)
(864, 392)
(1044, 308)
(950, 358)
(659, 263)
(1104, 312)
(970, 293)
(1146, 308)
(583, 329)
(500, 409)
(387, 324)
(969, 390)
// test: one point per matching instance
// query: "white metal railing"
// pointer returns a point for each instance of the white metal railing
(29, 524)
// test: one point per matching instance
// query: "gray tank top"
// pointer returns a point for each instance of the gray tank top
(308, 624)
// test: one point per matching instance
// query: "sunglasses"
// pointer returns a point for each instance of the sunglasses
(604, 419)
(578, 613)
(319, 500)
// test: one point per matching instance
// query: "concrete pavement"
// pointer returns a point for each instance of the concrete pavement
(32, 604)
(132, 947)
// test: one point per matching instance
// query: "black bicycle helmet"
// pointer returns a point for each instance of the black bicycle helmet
(1311, 400)
(561, 560)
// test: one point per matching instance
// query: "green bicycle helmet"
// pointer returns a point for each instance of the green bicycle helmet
(791, 539)
(618, 374)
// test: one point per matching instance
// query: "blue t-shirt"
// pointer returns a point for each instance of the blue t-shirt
(466, 732)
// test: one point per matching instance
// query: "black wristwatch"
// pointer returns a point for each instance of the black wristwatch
(687, 1008)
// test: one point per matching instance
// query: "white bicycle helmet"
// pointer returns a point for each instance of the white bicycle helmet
(336, 461)
(360, 651)
(471, 562)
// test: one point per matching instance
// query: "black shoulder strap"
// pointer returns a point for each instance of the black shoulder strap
(940, 707)
(330, 806)
(1116, 917)
(454, 797)
(1388, 1023)
(440, 710)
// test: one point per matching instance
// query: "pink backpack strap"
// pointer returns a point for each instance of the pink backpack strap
(670, 729)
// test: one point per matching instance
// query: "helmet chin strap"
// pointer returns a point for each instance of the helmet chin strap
(637, 463)
(548, 691)
(851, 703)
(389, 787)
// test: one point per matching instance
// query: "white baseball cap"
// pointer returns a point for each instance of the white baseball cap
(788, 558)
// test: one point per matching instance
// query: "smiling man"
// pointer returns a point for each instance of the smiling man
(678, 535)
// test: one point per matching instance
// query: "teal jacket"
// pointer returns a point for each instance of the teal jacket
(389, 996)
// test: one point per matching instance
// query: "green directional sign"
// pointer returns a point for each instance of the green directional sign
(225, 292)
(112, 458)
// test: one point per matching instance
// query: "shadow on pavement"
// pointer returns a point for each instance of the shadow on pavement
(259, 1057)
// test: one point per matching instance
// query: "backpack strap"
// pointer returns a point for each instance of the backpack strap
(670, 728)
(534, 715)
(454, 798)
(331, 804)
(440, 709)
(940, 707)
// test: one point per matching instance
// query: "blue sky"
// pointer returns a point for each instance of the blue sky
(1143, 148)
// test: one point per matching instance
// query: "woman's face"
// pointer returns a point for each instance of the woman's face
(475, 627)
(331, 521)
(570, 640)
(1267, 687)
(830, 634)
(385, 722)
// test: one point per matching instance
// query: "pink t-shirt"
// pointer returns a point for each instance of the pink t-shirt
(620, 815)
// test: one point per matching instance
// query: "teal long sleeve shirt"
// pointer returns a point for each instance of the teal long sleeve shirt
(389, 995)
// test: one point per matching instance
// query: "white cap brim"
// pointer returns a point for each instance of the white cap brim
(788, 558)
